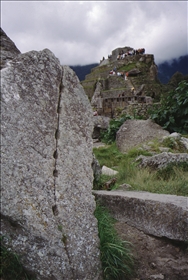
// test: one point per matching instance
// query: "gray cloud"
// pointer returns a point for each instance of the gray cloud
(82, 32)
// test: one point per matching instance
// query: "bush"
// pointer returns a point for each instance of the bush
(116, 258)
(109, 136)
(173, 112)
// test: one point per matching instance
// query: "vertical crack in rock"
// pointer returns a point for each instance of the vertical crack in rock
(55, 174)
(55, 155)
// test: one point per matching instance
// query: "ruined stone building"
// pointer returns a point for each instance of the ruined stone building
(123, 83)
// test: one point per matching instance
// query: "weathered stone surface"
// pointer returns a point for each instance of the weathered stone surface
(96, 168)
(8, 49)
(175, 137)
(135, 132)
(96, 101)
(156, 214)
(134, 72)
(108, 171)
(162, 160)
(101, 123)
(47, 202)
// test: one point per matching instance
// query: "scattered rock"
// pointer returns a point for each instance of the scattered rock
(107, 185)
(108, 171)
(161, 160)
(124, 187)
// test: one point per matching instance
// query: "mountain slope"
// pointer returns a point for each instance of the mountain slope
(165, 70)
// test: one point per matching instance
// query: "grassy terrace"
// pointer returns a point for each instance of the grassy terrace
(171, 180)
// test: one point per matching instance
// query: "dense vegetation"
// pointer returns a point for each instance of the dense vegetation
(116, 257)
(172, 115)
(109, 136)
(170, 180)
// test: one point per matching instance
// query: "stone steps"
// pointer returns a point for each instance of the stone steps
(160, 215)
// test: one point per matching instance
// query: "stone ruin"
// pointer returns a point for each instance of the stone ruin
(121, 83)
(47, 206)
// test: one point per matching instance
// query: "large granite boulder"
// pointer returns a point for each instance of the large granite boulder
(47, 204)
(8, 49)
(135, 132)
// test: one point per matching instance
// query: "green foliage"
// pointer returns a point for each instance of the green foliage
(173, 112)
(109, 136)
(171, 170)
(11, 267)
(116, 258)
(109, 155)
(170, 180)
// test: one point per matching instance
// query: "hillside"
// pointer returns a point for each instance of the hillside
(120, 81)
(165, 70)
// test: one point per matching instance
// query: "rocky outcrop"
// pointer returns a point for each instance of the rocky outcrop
(8, 49)
(156, 214)
(47, 203)
(136, 132)
(162, 160)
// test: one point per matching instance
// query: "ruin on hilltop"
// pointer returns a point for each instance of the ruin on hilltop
(126, 79)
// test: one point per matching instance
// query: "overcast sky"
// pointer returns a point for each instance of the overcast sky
(82, 32)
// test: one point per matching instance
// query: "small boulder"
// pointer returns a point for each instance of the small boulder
(108, 171)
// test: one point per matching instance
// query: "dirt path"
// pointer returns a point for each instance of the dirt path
(155, 258)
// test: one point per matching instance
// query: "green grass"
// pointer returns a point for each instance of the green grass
(171, 180)
(116, 257)
(11, 267)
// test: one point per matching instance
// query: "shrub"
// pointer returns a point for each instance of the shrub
(109, 136)
(172, 115)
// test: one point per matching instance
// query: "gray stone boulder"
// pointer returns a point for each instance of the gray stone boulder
(135, 132)
(160, 215)
(161, 160)
(47, 206)
(8, 49)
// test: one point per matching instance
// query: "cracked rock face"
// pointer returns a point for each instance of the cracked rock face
(47, 203)
(8, 49)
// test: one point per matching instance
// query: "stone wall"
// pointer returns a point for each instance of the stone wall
(127, 105)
